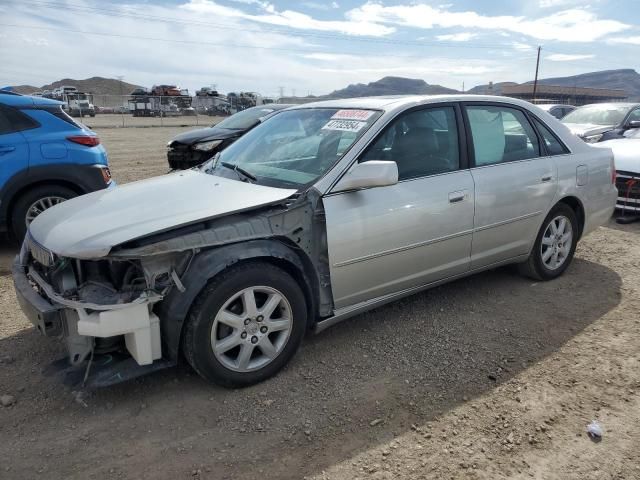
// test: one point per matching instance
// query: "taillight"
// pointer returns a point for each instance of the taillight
(89, 141)
(613, 171)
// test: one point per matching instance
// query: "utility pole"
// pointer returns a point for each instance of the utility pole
(463, 86)
(281, 91)
(535, 81)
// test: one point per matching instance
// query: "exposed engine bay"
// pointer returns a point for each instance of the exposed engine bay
(108, 302)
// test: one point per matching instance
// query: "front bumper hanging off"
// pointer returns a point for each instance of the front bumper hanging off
(78, 323)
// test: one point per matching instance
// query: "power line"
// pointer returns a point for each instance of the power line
(195, 42)
(134, 15)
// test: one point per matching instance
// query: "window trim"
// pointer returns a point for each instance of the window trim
(626, 120)
(463, 163)
(535, 118)
(34, 123)
(470, 145)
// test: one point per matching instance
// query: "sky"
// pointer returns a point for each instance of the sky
(312, 46)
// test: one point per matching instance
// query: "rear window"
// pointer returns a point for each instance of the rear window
(57, 111)
(554, 146)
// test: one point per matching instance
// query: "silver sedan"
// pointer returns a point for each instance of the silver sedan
(322, 212)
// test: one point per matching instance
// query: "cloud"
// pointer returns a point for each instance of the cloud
(289, 18)
(624, 40)
(557, 3)
(562, 57)
(328, 57)
(320, 5)
(573, 25)
(521, 46)
(253, 45)
(38, 41)
(457, 37)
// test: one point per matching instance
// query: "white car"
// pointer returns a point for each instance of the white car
(626, 152)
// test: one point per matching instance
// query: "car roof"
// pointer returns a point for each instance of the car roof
(276, 106)
(13, 99)
(628, 105)
(549, 106)
(389, 102)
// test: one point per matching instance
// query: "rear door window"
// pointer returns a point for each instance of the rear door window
(554, 146)
(501, 134)
(12, 120)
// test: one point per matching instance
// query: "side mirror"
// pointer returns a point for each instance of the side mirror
(374, 173)
(633, 124)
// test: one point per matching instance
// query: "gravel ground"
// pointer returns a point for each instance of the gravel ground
(493, 376)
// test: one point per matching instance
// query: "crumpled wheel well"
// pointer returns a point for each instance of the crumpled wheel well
(208, 264)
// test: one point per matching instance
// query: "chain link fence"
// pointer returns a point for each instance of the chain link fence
(117, 111)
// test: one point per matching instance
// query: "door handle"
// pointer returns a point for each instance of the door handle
(546, 178)
(455, 197)
(4, 149)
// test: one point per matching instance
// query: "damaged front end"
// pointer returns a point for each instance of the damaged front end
(122, 315)
(98, 307)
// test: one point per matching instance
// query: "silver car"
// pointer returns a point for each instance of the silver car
(322, 212)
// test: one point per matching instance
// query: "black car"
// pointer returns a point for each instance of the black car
(557, 110)
(192, 148)
(603, 121)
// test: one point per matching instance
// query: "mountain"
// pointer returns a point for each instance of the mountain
(625, 79)
(95, 85)
(390, 86)
(24, 88)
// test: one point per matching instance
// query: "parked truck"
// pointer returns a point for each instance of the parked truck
(76, 103)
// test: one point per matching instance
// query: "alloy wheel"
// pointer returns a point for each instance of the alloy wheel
(251, 329)
(40, 205)
(556, 243)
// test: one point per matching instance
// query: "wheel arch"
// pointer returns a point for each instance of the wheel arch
(17, 194)
(175, 308)
(578, 208)
(80, 178)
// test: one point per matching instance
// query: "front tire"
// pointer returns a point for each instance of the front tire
(33, 203)
(555, 245)
(245, 325)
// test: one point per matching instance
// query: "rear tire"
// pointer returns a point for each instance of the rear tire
(33, 200)
(234, 341)
(555, 245)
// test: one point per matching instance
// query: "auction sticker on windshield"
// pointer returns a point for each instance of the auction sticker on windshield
(352, 115)
(344, 125)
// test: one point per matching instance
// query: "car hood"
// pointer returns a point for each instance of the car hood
(205, 135)
(587, 129)
(91, 225)
(626, 153)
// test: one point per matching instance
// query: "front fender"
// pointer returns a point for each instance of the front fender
(174, 309)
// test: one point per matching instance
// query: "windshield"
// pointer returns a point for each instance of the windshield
(245, 119)
(296, 147)
(598, 114)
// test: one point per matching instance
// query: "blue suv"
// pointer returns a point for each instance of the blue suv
(45, 158)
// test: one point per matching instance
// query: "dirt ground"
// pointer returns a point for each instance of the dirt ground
(490, 377)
